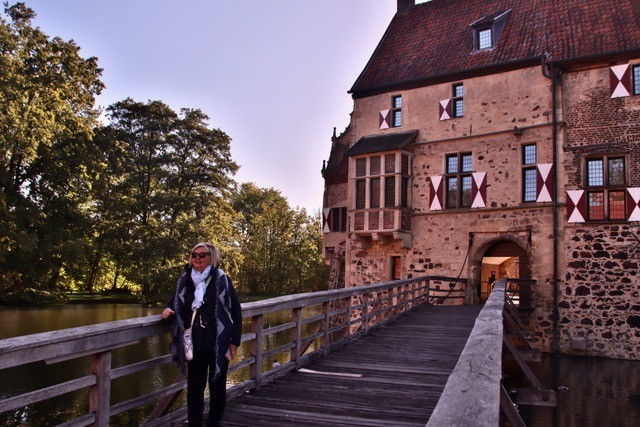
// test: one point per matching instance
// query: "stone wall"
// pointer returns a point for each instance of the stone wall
(600, 301)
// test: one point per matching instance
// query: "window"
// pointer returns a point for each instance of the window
(396, 111)
(487, 30)
(456, 101)
(636, 80)
(377, 181)
(529, 173)
(396, 268)
(484, 38)
(458, 180)
(338, 220)
(606, 179)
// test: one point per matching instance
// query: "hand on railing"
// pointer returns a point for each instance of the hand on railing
(167, 312)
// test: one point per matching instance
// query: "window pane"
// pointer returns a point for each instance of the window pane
(361, 167)
(397, 118)
(595, 207)
(452, 192)
(404, 168)
(374, 165)
(374, 195)
(390, 163)
(636, 80)
(616, 205)
(529, 180)
(458, 108)
(404, 196)
(343, 219)
(529, 156)
(397, 102)
(390, 192)
(360, 193)
(595, 172)
(466, 163)
(484, 38)
(452, 164)
(616, 171)
(466, 191)
(458, 90)
(335, 219)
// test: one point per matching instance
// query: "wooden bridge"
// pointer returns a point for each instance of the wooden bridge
(364, 356)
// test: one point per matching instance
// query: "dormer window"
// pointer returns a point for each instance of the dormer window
(484, 39)
(487, 30)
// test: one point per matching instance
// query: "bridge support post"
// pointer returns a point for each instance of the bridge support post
(296, 336)
(100, 393)
(255, 371)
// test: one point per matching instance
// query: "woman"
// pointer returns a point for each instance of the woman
(216, 330)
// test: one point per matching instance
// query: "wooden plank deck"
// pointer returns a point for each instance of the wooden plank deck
(392, 377)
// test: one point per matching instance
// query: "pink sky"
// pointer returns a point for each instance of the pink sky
(274, 74)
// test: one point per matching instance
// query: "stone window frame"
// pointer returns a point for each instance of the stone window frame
(338, 219)
(367, 178)
(462, 177)
(601, 193)
(396, 111)
(457, 100)
(395, 267)
(529, 168)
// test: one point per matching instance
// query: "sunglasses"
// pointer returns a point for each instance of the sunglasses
(195, 255)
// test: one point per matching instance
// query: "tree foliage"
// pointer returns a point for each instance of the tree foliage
(85, 205)
(47, 115)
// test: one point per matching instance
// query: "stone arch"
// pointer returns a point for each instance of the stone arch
(515, 244)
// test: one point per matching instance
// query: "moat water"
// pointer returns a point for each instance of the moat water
(590, 391)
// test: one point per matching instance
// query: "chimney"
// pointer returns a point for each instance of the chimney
(404, 6)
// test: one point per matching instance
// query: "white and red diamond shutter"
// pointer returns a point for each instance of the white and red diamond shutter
(479, 190)
(576, 206)
(444, 108)
(633, 204)
(326, 217)
(544, 183)
(435, 193)
(620, 77)
(385, 119)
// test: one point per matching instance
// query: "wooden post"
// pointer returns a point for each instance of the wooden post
(365, 312)
(100, 393)
(325, 310)
(296, 336)
(349, 312)
(255, 371)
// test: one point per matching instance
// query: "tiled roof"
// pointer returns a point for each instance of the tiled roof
(435, 38)
(384, 142)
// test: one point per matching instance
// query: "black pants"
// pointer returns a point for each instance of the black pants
(200, 371)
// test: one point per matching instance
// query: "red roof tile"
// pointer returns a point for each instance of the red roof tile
(435, 38)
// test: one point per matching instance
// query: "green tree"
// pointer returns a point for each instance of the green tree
(281, 246)
(170, 176)
(47, 94)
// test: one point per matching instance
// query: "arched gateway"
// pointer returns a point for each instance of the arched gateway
(495, 259)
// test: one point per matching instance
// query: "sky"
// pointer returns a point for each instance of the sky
(272, 74)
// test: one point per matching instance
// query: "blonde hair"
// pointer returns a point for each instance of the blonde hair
(213, 251)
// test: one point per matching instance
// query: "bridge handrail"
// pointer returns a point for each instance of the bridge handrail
(346, 315)
(471, 396)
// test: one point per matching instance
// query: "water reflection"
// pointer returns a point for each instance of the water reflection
(17, 322)
(590, 392)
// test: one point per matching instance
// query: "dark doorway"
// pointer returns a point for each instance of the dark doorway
(503, 259)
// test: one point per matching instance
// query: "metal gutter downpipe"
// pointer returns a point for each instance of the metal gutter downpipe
(554, 129)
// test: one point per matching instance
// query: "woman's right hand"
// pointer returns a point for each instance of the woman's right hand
(167, 313)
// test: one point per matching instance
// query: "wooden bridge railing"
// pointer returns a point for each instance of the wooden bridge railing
(474, 394)
(340, 316)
